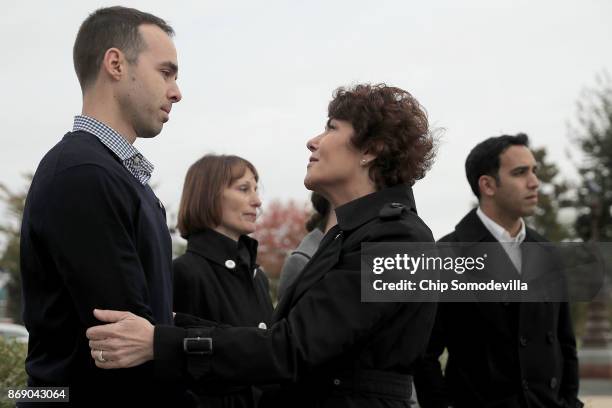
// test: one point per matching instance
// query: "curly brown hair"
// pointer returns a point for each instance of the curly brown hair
(390, 124)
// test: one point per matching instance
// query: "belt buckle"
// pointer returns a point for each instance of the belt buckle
(198, 345)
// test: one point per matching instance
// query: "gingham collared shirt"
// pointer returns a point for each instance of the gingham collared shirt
(131, 158)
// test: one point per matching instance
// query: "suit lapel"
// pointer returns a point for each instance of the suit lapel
(471, 229)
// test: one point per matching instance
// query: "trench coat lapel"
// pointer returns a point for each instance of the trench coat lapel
(321, 262)
(351, 216)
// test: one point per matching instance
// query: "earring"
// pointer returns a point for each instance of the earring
(364, 162)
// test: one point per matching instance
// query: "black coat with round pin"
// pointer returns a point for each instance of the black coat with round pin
(217, 279)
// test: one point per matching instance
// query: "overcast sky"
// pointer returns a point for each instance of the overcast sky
(256, 77)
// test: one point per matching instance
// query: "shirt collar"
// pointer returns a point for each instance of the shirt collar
(500, 232)
(131, 158)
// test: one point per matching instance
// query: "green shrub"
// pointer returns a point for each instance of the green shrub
(12, 369)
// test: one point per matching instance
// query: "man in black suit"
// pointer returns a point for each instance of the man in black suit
(502, 355)
(93, 231)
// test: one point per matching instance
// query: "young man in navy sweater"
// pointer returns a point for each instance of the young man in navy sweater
(94, 234)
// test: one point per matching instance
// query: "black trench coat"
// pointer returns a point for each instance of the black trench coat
(326, 347)
(213, 281)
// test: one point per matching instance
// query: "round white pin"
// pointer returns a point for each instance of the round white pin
(262, 325)
(230, 264)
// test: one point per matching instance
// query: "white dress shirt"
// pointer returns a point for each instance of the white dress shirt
(512, 245)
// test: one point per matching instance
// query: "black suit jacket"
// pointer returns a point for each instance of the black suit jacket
(499, 354)
(92, 236)
(321, 328)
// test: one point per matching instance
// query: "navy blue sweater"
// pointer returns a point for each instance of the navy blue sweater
(92, 237)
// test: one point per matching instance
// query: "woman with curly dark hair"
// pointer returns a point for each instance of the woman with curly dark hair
(325, 346)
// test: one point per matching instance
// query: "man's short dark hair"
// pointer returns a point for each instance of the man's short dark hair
(107, 28)
(484, 158)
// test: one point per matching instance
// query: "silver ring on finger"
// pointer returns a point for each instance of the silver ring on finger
(101, 357)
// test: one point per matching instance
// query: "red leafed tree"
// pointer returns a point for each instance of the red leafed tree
(280, 229)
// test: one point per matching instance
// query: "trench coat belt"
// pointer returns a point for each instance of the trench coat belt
(375, 383)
